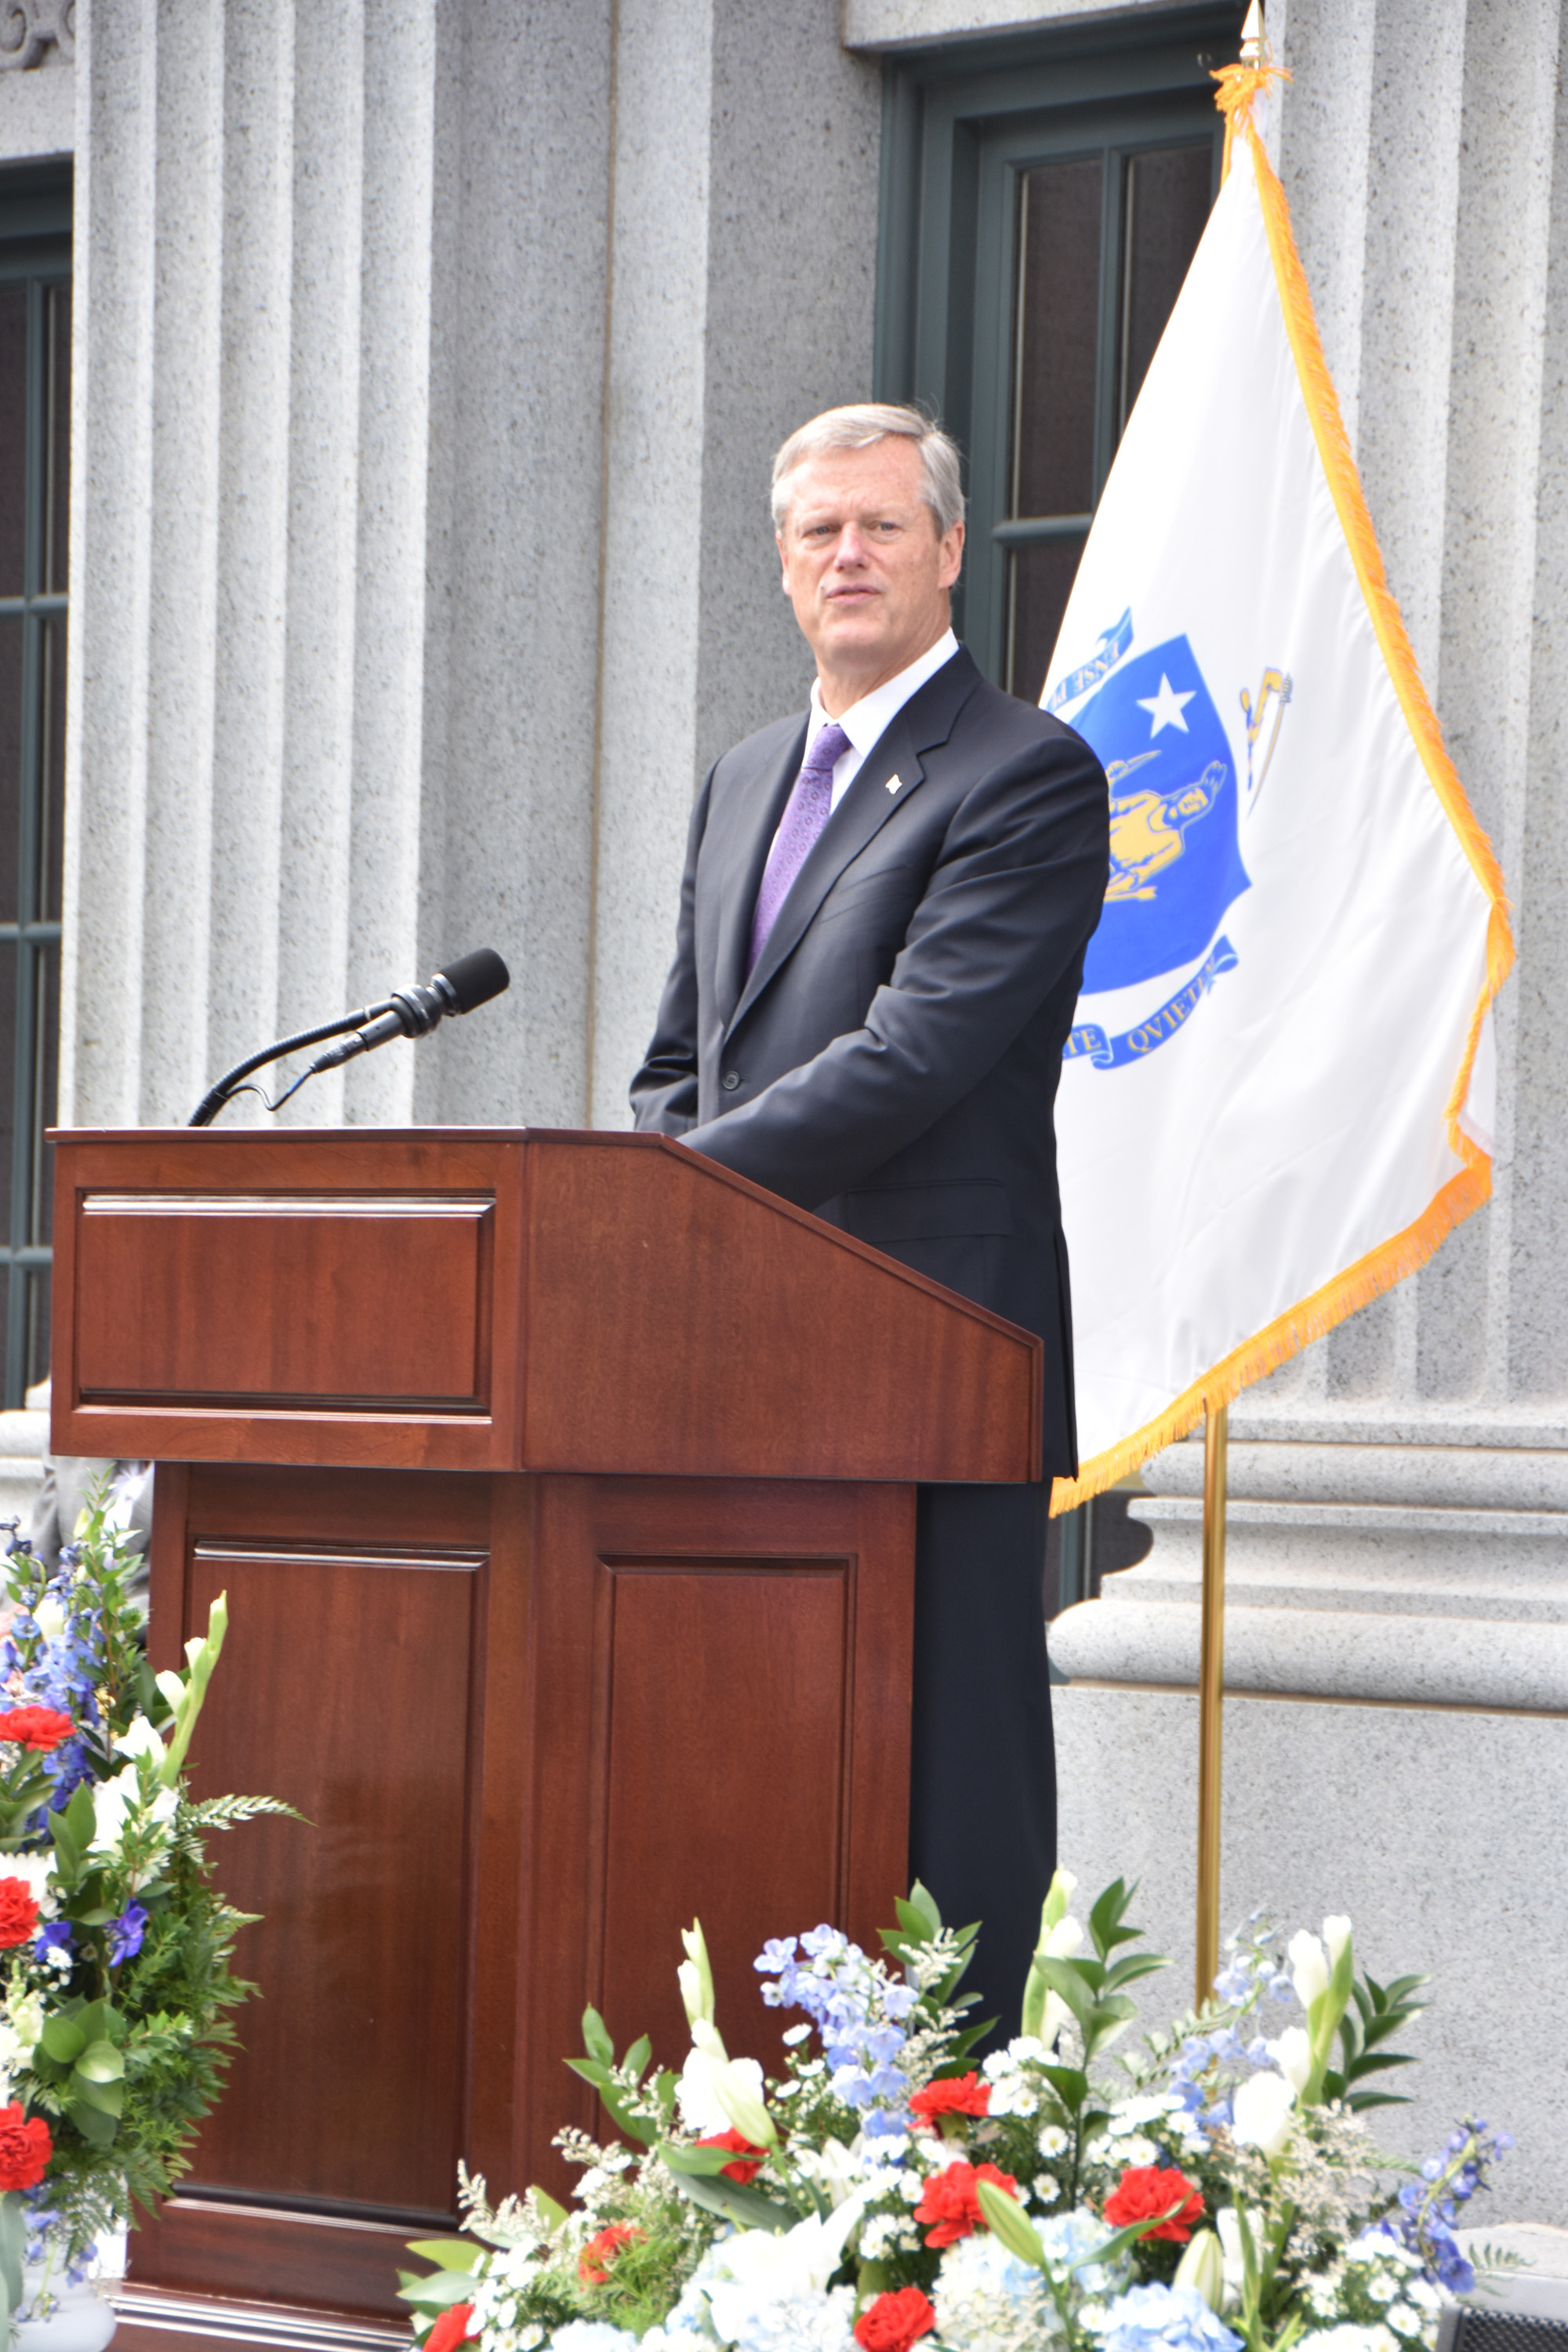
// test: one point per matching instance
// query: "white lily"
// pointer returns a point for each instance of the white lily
(1260, 2113)
(715, 2091)
(764, 2268)
(139, 1738)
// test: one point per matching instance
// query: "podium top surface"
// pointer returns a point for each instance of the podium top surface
(504, 1299)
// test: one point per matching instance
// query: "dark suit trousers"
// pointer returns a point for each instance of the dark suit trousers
(982, 1785)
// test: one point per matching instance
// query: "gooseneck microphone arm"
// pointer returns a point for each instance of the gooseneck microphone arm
(470, 982)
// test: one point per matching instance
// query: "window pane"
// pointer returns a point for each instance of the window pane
(10, 762)
(57, 430)
(13, 434)
(9, 953)
(1057, 327)
(46, 1094)
(52, 767)
(1042, 581)
(38, 1323)
(1166, 205)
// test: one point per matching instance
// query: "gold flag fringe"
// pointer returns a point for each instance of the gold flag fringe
(1407, 1252)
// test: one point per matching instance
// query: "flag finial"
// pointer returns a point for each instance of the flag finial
(1241, 84)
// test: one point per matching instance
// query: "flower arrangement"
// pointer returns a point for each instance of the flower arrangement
(115, 1981)
(1219, 2188)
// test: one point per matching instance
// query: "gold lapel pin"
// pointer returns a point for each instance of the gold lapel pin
(895, 784)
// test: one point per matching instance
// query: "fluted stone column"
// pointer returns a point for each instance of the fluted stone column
(1396, 1728)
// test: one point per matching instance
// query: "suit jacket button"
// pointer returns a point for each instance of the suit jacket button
(730, 1081)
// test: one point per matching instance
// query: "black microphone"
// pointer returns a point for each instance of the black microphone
(470, 982)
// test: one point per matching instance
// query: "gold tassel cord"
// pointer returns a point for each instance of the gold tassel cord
(1404, 1252)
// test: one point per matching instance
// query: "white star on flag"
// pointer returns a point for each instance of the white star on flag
(1166, 707)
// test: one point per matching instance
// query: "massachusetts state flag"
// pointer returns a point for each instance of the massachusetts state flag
(1276, 1096)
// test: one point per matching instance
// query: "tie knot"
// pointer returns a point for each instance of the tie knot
(826, 751)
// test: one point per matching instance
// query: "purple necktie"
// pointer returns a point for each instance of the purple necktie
(805, 814)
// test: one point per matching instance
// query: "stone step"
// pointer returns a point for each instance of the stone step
(1479, 1477)
(1302, 1551)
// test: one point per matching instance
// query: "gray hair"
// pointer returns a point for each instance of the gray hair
(942, 484)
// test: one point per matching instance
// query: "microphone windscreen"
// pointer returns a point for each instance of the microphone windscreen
(474, 979)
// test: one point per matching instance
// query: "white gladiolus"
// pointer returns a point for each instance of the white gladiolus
(1202, 2266)
(1231, 2224)
(49, 1617)
(1260, 2113)
(1336, 1935)
(1292, 2053)
(1309, 1967)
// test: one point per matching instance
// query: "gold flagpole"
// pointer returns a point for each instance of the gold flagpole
(1211, 1661)
(1211, 1688)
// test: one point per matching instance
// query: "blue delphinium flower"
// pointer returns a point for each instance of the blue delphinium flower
(54, 1937)
(857, 2009)
(126, 1934)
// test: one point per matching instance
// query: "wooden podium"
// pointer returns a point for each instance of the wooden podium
(563, 1487)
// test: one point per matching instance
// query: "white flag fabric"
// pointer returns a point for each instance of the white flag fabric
(1276, 1099)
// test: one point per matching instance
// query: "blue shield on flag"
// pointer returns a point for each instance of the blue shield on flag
(1174, 863)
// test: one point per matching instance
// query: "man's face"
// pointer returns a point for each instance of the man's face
(863, 564)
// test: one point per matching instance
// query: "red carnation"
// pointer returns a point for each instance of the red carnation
(1145, 2189)
(451, 2328)
(18, 1912)
(894, 2322)
(745, 2147)
(593, 2262)
(951, 2200)
(35, 1727)
(25, 2148)
(954, 2094)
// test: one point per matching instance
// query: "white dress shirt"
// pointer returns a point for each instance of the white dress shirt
(866, 720)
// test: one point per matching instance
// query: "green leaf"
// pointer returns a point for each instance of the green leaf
(66, 1846)
(1128, 1970)
(1007, 2223)
(98, 1916)
(447, 2253)
(635, 2062)
(596, 2039)
(703, 2163)
(79, 1816)
(439, 2292)
(1359, 2100)
(108, 2097)
(593, 2070)
(1071, 2086)
(1109, 2018)
(96, 2126)
(748, 2208)
(922, 1903)
(63, 2039)
(100, 2061)
(98, 2020)
(13, 2245)
(1064, 1982)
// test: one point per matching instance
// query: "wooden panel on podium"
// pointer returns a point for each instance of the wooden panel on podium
(563, 1490)
(469, 1299)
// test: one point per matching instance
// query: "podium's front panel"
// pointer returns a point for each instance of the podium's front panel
(502, 1703)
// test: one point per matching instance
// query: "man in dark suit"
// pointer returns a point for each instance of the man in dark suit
(881, 936)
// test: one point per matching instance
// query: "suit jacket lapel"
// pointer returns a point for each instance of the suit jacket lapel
(925, 721)
(756, 813)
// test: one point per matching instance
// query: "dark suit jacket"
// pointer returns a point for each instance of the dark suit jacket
(892, 1062)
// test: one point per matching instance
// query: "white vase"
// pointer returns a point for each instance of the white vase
(82, 2320)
